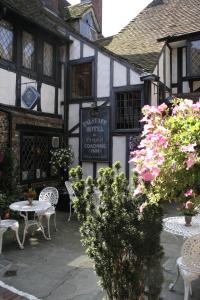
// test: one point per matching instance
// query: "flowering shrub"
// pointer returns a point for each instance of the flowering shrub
(61, 159)
(167, 160)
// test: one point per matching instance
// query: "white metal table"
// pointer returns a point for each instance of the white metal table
(176, 226)
(24, 208)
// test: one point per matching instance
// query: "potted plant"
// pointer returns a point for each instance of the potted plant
(30, 194)
(188, 208)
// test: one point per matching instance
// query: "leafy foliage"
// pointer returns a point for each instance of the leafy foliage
(123, 243)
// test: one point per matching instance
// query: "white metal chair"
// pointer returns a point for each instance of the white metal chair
(49, 194)
(9, 224)
(72, 196)
(189, 264)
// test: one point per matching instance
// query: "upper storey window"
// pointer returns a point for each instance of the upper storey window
(81, 85)
(6, 40)
(48, 60)
(128, 109)
(195, 58)
(28, 46)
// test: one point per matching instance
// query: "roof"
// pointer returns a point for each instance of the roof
(137, 42)
(35, 11)
(76, 11)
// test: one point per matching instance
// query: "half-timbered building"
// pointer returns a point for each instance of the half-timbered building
(58, 85)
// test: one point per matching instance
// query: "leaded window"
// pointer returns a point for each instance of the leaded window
(28, 47)
(81, 84)
(6, 40)
(128, 110)
(35, 156)
(48, 60)
(195, 58)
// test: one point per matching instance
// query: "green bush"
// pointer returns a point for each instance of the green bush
(122, 241)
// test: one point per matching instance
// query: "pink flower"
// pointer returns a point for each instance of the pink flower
(162, 107)
(189, 205)
(142, 207)
(138, 190)
(151, 174)
(191, 160)
(189, 193)
(188, 148)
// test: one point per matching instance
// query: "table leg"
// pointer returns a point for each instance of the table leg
(25, 216)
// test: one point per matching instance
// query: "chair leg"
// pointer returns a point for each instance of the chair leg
(70, 211)
(172, 285)
(187, 289)
(2, 230)
(55, 222)
(17, 237)
(190, 289)
(48, 226)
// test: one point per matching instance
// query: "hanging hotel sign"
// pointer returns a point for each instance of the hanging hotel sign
(95, 134)
(30, 97)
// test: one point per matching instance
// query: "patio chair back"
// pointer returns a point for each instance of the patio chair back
(70, 190)
(49, 194)
(190, 253)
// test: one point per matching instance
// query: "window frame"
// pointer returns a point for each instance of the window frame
(81, 62)
(125, 89)
(35, 135)
(189, 59)
(46, 78)
(25, 70)
(7, 64)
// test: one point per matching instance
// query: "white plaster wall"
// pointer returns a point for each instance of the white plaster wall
(155, 70)
(167, 67)
(134, 78)
(85, 104)
(26, 82)
(186, 88)
(88, 51)
(174, 65)
(73, 115)
(103, 76)
(74, 50)
(7, 87)
(74, 143)
(61, 93)
(87, 169)
(47, 98)
(154, 95)
(184, 62)
(174, 91)
(161, 67)
(120, 75)
(119, 150)
(60, 99)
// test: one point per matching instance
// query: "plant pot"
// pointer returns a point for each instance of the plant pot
(188, 220)
(30, 201)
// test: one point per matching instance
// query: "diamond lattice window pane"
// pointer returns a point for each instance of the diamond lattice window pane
(48, 60)
(195, 58)
(6, 40)
(28, 50)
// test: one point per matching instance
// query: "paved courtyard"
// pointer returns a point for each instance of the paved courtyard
(59, 269)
